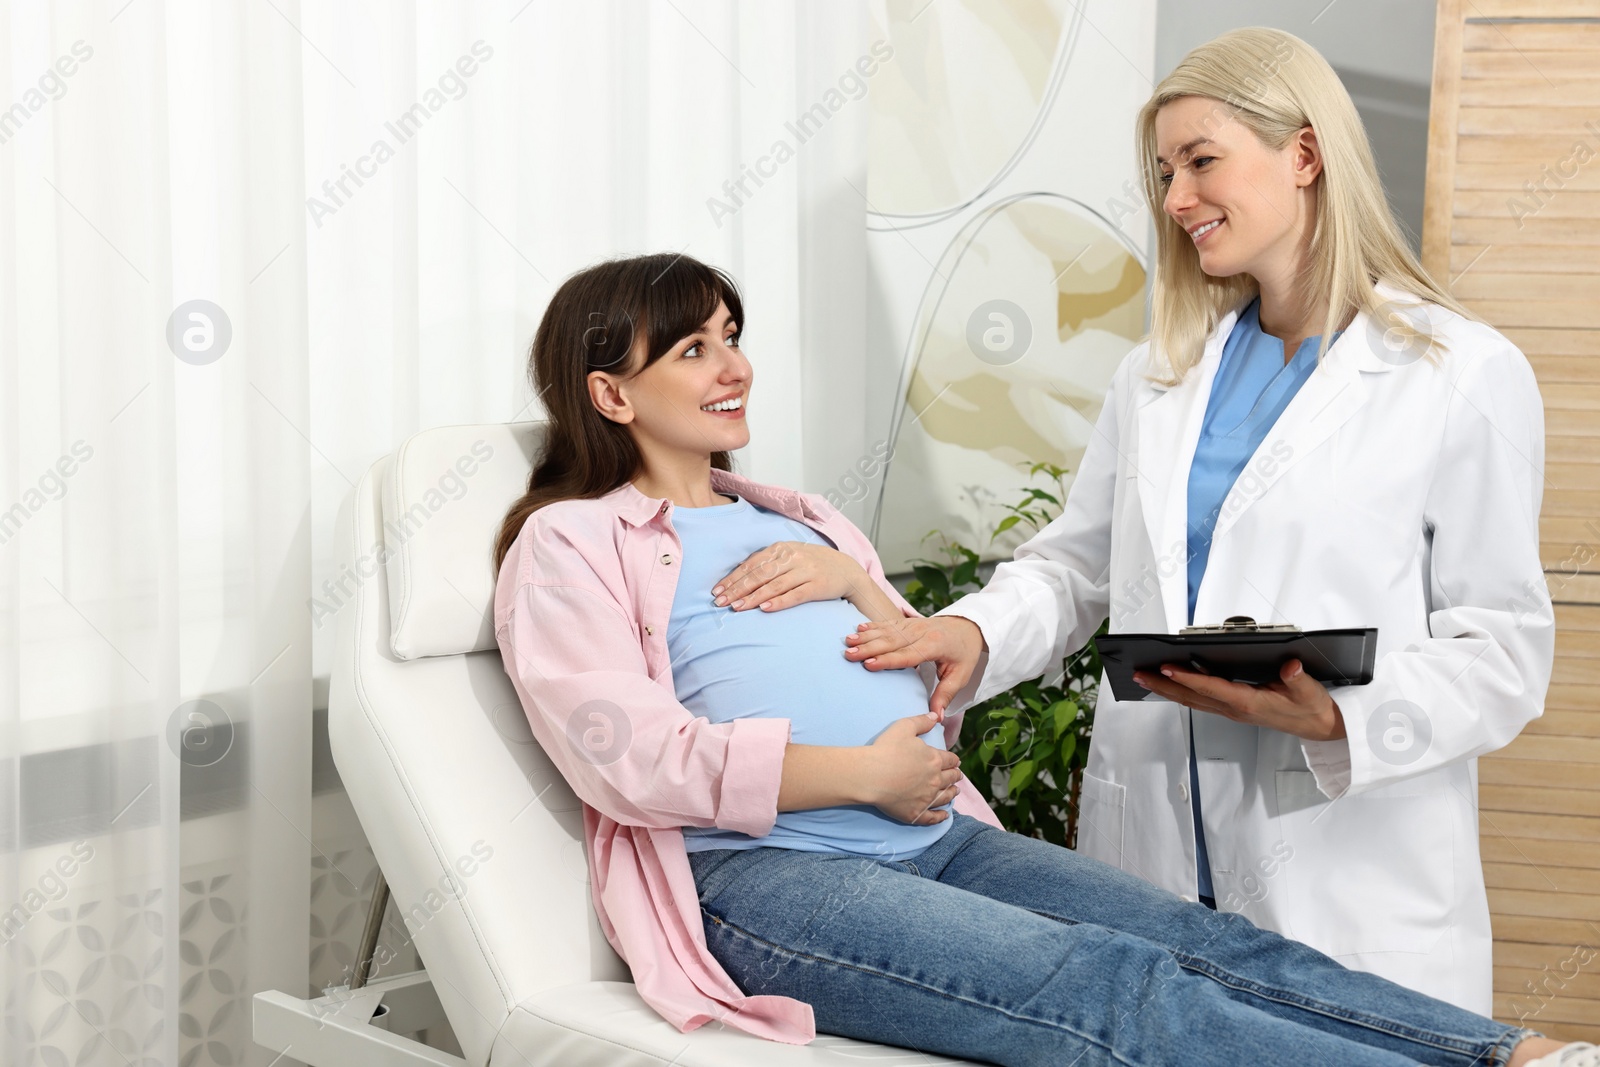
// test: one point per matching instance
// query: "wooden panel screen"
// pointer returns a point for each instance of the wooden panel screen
(1512, 223)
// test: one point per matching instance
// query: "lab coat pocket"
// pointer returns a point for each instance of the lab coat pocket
(1100, 812)
(1369, 873)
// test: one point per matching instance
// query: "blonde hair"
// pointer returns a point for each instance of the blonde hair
(1275, 84)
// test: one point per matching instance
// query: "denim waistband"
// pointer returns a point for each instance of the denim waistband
(714, 868)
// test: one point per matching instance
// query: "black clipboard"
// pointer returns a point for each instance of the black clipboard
(1241, 652)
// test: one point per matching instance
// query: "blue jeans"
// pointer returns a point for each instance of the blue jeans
(996, 947)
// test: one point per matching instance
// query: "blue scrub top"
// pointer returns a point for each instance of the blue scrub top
(1251, 388)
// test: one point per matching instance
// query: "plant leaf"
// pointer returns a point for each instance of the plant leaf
(934, 579)
(1021, 775)
(1009, 732)
(1064, 711)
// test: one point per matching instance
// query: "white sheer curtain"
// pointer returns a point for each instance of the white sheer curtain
(220, 301)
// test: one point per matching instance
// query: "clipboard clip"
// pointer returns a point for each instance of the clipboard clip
(1235, 624)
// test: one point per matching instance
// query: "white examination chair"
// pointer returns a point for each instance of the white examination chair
(478, 836)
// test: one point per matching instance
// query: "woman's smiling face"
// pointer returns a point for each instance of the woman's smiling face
(691, 401)
(1239, 201)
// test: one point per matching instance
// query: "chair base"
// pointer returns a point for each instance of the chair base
(361, 1028)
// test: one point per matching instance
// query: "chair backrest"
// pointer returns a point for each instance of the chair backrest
(479, 836)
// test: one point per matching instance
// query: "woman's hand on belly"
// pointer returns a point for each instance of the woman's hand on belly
(899, 773)
(907, 777)
(787, 573)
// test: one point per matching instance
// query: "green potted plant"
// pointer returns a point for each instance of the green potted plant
(1025, 748)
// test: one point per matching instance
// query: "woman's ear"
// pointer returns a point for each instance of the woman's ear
(606, 394)
(1307, 157)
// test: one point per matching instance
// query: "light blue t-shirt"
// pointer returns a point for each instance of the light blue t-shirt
(1251, 388)
(786, 664)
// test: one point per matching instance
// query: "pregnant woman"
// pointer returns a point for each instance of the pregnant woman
(778, 839)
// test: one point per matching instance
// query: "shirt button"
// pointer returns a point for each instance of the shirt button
(649, 632)
(667, 559)
(1183, 790)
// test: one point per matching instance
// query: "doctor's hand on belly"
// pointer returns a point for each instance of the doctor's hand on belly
(953, 644)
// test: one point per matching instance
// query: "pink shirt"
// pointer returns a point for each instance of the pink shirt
(581, 608)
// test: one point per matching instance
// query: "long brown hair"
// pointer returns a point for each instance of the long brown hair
(592, 324)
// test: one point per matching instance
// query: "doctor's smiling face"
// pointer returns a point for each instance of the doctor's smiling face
(1248, 208)
(687, 404)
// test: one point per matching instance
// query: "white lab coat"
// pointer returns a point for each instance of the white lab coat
(1395, 494)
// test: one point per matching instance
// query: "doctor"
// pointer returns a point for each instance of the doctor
(1314, 433)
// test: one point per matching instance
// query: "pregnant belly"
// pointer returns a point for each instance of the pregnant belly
(790, 664)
